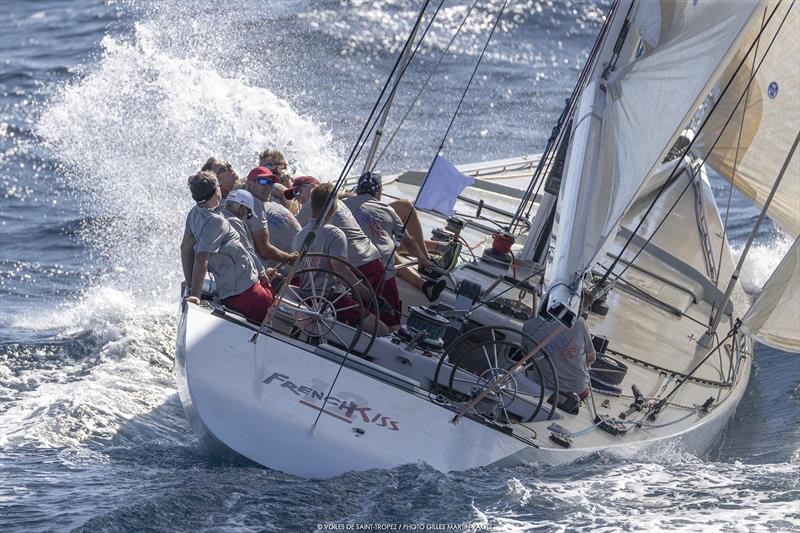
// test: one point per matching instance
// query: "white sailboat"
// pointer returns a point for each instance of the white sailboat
(617, 216)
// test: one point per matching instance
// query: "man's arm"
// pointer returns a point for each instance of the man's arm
(199, 273)
(187, 256)
(268, 251)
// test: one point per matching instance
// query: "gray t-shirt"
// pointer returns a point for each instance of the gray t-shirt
(380, 223)
(360, 249)
(229, 262)
(245, 237)
(278, 221)
(329, 240)
(567, 351)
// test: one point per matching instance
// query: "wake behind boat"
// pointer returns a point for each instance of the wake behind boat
(616, 220)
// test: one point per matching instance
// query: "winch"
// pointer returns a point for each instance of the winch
(500, 251)
(424, 327)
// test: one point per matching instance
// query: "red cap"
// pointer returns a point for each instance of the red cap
(297, 183)
(262, 172)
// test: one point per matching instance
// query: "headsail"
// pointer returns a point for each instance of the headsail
(750, 159)
(774, 318)
(648, 102)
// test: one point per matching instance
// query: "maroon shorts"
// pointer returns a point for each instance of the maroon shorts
(387, 289)
(252, 303)
(347, 309)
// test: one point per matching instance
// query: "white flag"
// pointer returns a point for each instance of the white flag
(442, 187)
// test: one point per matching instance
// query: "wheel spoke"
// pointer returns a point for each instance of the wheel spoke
(333, 331)
(339, 297)
(347, 308)
(486, 354)
(299, 298)
(325, 286)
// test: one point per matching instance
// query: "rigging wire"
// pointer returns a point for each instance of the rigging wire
(329, 201)
(694, 174)
(659, 405)
(374, 121)
(689, 146)
(736, 159)
(424, 85)
(558, 133)
(390, 257)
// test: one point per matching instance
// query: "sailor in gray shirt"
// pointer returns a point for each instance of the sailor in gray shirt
(272, 226)
(238, 209)
(332, 241)
(210, 244)
(360, 249)
(383, 225)
(572, 352)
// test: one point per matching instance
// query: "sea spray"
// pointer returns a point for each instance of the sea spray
(132, 130)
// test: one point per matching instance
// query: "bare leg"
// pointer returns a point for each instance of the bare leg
(406, 211)
(410, 275)
(382, 328)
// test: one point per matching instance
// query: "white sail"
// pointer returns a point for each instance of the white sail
(648, 102)
(751, 150)
(774, 318)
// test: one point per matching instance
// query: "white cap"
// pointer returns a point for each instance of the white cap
(242, 197)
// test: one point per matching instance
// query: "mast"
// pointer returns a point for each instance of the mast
(405, 60)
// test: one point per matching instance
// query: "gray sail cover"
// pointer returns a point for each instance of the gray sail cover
(774, 317)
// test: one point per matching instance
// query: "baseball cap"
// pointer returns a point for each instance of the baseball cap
(297, 183)
(369, 182)
(262, 172)
(242, 197)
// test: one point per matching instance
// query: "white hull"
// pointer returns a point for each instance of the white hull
(261, 400)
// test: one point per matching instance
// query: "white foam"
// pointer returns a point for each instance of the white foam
(132, 130)
(762, 259)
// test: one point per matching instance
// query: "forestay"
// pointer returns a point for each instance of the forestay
(752, 148)
(773, 317)
(648, 102)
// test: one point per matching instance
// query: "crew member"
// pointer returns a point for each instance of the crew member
(273, 227)
(332, 241)
(383, 225)
(210, 244)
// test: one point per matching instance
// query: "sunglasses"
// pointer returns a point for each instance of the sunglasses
(265, 181)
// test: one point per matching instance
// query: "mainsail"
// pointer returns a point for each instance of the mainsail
(753, 146)
(774, 318)
(647, 103)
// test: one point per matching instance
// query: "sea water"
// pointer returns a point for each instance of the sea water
(107, 107)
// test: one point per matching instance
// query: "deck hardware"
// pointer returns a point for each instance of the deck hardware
(637, 405)
(610, 425)
(562, 440)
